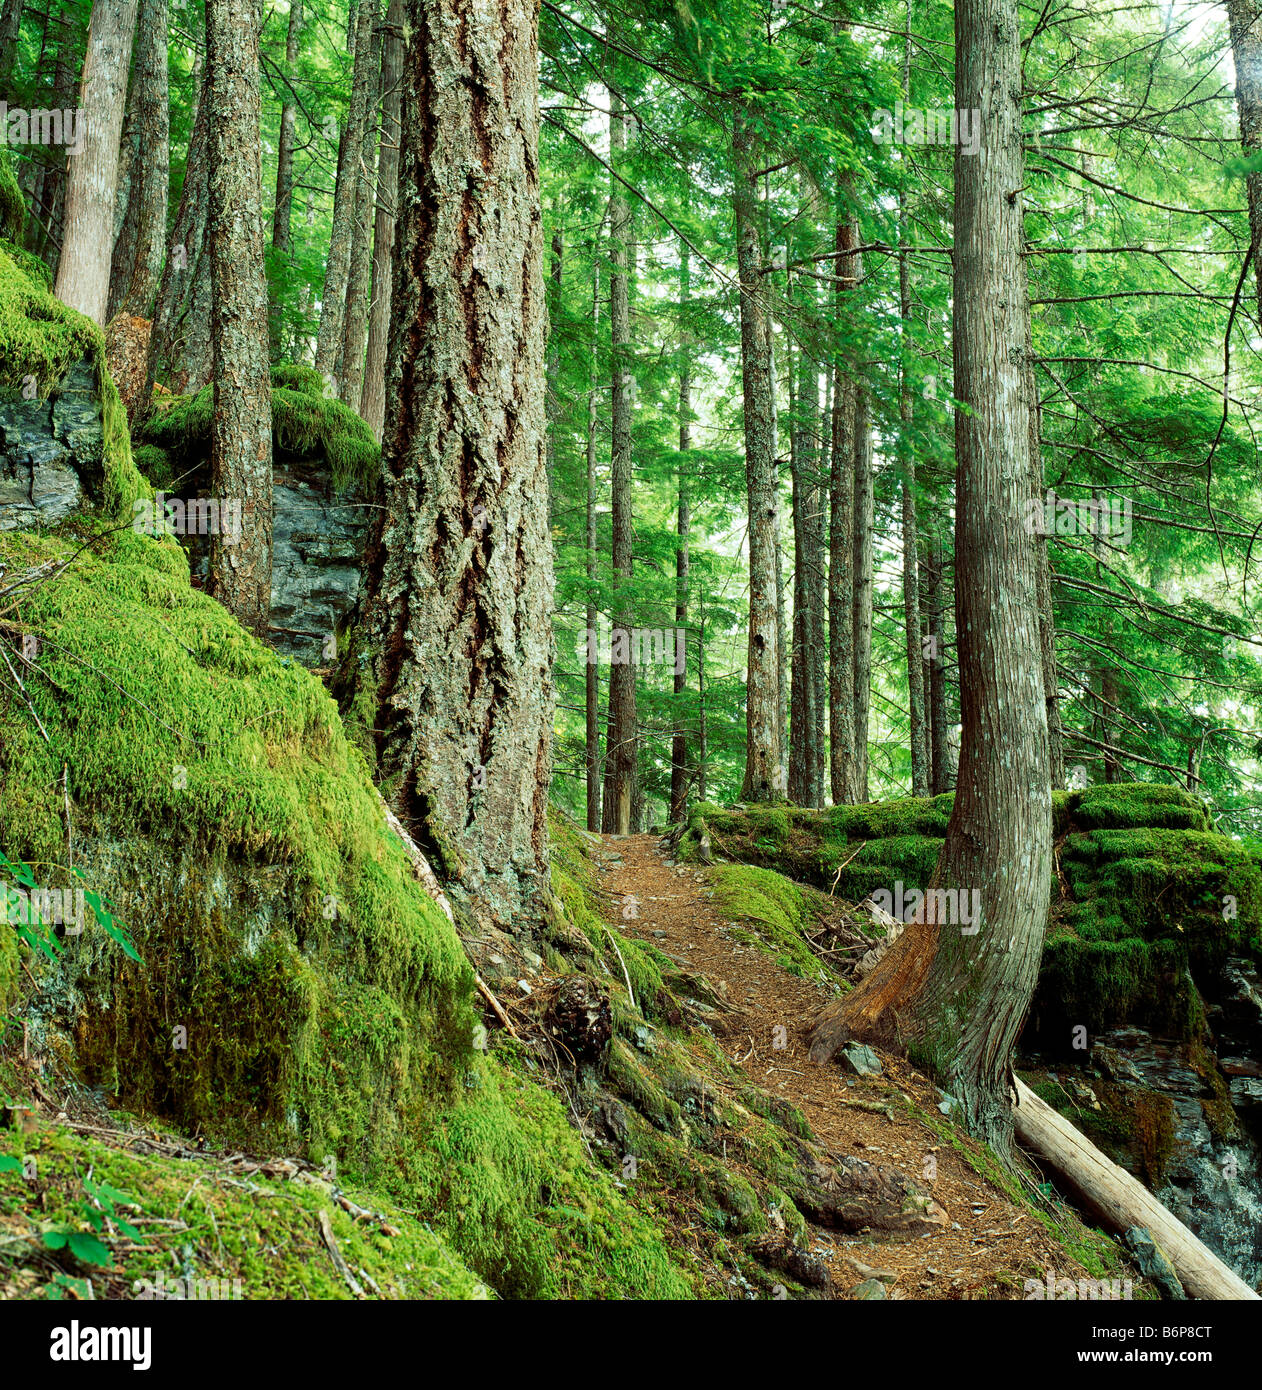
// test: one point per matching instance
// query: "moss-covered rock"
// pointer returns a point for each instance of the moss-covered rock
(306, 423)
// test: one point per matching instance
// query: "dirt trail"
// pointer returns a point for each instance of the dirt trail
(988, 1234)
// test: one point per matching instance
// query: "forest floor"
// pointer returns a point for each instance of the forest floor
(988, 1239)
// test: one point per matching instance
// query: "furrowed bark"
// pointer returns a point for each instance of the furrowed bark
(458, 583)
(241, 423)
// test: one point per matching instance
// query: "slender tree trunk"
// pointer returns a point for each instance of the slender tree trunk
(330, 339)
(282, 213)
(458, 584)
(137, 264)
(805, 787)
(52, 198)
(556, 270)
(939, 704)
(1047, 617)
(179, 341)
(621, 748)
(957, 1001)
(917, 727)
(83, 273)
(703, 747)
(683, 528)
(10, 28)
(762, 719)
(841, 531)
(349, 369)
(373, 399)
(864, 522)
(818, 644)
(1245, 20)
(591, 681)
(241, 425)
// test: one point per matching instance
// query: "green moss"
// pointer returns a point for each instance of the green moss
(154, 463)
(771, 906)
(305, 423)
(199, 1217)
(12, 204)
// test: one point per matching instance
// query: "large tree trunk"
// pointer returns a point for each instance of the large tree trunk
(330, 338)
(282, 213)
(241, 425)
(1245, 19)
(762, 691)
(137, 263)
(620, 750)
(373, 398)
(458, 585)
(179, 341)
(83, 273)
(957, 1001)
(555, 291)
(683, 526)
(591, 678)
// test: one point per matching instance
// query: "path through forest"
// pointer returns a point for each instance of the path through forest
(986, 1235)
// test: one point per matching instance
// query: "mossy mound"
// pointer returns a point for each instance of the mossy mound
(1148, 891)
(297, 989)
(306, 423)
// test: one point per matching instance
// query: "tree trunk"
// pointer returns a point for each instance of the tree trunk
(349, 368)
(10, 28)
(917, 731)
(555, 285)
(458, 582)
(957, 1001)
(591, 680)
(330, 339)
(1245, 20)
(52, 196)
(805, 787)
(241, 424)
(620, 750)
(179, 341)
(818, 644)
(939, 754)
(683, 527)
(282, 213)
(373, 398)
(137, 263)
(83, 273)
(762, 722)
(864, 521)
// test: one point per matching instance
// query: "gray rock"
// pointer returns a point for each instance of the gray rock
(868, 1290)
(860, 1059)
(50, 451)
(1152, 1262)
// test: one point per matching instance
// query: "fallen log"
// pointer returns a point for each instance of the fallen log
(1119, 1199)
